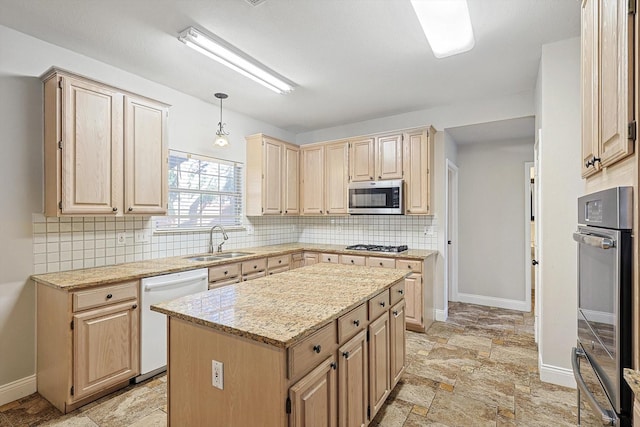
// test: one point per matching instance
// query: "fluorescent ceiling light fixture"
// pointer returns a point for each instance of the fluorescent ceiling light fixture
(447, 25)
(219, 50)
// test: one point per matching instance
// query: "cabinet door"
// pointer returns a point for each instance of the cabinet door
(615, 97)
(105, 347)
(314, 398)
(379, 362)
(272, 178)
(417, 172)
(362, 160)
(145, 161)
(353, 380)
(291, 181)
(336, 177)
(310, 258)
(413, 298)
(389, 157)
(589, 87)
(312, 180)
(92, 174)
(397, 326)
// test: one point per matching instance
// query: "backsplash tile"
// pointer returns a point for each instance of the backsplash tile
(61, 244)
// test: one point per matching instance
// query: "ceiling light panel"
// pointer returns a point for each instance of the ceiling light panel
(447, 25)
(220, 51)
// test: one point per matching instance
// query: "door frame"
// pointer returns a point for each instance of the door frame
(451, 233)
(528, 194)
(537, 332)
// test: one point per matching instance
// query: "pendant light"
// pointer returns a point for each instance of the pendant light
(221, 134)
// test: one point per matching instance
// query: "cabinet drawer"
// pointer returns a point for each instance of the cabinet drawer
(278, 270)
(373, 261)
(253, 266)
(351, 323)
(411, 265)
(252, 276)
(331, 258)
(224, 282)
(312, 350)
(224, 272)
(353, 259)
(278, 261)
(105, 295)
(378, 305)
(298, 256)
(397, 292)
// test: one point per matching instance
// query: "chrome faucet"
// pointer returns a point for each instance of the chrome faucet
(224, 238)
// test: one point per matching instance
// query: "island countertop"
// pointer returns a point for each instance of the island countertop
(282, 309)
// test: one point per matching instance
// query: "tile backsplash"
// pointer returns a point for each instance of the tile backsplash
(61, 244)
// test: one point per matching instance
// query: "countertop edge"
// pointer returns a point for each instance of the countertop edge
(632, 377)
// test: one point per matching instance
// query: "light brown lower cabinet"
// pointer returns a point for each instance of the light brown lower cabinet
(353, 382)
(397, 343)
(379, 363)
(314, 397)
(413, 296)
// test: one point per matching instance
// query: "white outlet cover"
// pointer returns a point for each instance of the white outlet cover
(121, 239)
(217, 374)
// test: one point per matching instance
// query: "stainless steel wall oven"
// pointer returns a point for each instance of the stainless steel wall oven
(604, 349)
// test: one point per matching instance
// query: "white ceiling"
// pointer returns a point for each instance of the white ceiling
(352, 60)
(498, 131)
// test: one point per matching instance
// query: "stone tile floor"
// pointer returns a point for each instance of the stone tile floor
(477, 369)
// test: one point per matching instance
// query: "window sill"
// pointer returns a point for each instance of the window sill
(197, 230)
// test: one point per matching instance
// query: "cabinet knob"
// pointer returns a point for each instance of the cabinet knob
(317, 348)
(408, 210)
(382, 304)
(255, 266)
(409, 267)
(395, 313)
(401, 291)
(244, 280)
(327, 211)
(320, 211)
(329, 259)
(351, 261)
(345, 354)
(279, 261)
(226, 272)
(134, 306)
(356, 322)
(280, 211)
(380, 264)
(379, 177)
(334, 366)
(109, 296)
(286, 211)
(115, 209)
(371, 178)
(130, 209)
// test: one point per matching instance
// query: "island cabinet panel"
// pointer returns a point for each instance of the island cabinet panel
(254, 391)
(310, 351)
(314, 398)
(352, 322)
(353, 382)
(397, 344)
(379, 363)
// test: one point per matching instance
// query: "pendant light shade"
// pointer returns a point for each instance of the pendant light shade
(221, 135)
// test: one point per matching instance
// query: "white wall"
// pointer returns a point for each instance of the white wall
(560, 186)
(22, 60)
(491, 234)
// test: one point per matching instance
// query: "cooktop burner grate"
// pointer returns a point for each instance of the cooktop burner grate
(378, 248)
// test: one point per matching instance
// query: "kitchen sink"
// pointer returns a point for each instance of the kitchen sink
(218, 256)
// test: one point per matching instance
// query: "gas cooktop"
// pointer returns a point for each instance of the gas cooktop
(378, 248)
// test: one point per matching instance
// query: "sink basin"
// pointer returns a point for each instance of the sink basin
(219, 256)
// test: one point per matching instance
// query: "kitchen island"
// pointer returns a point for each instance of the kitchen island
(304, 347)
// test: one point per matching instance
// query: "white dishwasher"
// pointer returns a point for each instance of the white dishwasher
(153, 325)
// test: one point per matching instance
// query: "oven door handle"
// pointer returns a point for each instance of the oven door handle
(595, 241)
(608, 417)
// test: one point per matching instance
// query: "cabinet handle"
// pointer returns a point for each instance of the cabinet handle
(327, 211)
(408, 210)
(382, 304)
(371, 178)
(596, 159)
(401, 291)
(226, 272)
(115, 209)
(380, 264)
(280, 211)
(134, 306)
(317, 348)
(280, 261)
(286, 211)
(356, 322)
(130, 209)
(395, 313)
(320, 211)
(255, 266)
(379, 177)
(351, 261)
(109, 296)
(346, 354)
(334, 366)
(409, 267)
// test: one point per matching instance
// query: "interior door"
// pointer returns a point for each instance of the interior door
(536, 234)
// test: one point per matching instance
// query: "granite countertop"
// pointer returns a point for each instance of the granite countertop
(85, 278)
(632, 377)
(282, 309)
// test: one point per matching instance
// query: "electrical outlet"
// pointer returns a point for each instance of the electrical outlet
(121, 239)
(428, 230)
(217, 374)
(249, 229)
(142, 236)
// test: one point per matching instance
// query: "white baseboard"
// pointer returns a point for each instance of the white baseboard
(556, 375)
(494, 302)
(17, 389)
(439, 315)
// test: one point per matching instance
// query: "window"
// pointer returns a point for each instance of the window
(203, 191)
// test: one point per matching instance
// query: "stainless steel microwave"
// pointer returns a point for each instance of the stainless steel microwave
(376, 197)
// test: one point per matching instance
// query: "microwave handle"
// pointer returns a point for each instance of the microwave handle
(607, 416)
(595, 241)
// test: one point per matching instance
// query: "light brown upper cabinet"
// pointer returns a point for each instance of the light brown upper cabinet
(376, 158)
(418, 161)
(105, 150)
(336, 178)
(608, 126)
(272, 176)
(312, 193)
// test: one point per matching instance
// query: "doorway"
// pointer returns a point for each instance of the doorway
(451, 238)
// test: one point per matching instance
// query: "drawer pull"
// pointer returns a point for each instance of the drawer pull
(334, 366)
(255, 266)
(279, 261)
(401, 291)
(409, 267)
(382, 304)
(351, 261)
(356, 322)
(317, 348)
(226, 272)
(109, 296)
(134, 306)
(130, 209)
(395, 313)
(380, 264)
(345, 354)
(115, 209)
